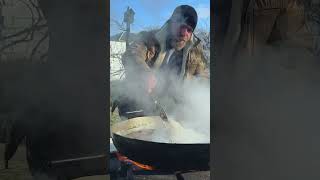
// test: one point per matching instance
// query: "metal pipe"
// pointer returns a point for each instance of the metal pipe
(56, 162)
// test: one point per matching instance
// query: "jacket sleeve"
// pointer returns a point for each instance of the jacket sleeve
(135, 57)
(201, 70)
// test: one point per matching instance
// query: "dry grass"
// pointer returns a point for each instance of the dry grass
(18, 167)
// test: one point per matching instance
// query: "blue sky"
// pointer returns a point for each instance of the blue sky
(152, 13)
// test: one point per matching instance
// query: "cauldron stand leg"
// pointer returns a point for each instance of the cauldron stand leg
(179, 176)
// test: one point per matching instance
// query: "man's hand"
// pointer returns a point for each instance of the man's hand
(151, 82)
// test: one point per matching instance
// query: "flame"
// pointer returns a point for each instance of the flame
(142, 166)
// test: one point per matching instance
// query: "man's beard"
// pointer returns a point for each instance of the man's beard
(178, 44)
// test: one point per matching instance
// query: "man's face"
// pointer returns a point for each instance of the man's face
(151, 53)
(180, 33)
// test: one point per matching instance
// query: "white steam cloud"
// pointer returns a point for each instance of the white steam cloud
(186, 103)
(189, 118)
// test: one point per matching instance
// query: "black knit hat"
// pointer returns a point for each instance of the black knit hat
(186, 14)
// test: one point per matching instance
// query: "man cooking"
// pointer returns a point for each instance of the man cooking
(180, 57)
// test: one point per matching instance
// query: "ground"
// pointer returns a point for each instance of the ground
(114, 117)
(18, 167)
(204, 175)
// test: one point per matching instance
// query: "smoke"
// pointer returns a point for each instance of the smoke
(42, 176)
(190, 112)
(187, 104)
(268, 114)
(196, 106)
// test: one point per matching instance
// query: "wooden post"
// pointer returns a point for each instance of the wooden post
(128, 19)
(127, 35)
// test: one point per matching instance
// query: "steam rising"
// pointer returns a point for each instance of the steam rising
(189, 119)
(174, 132)
(186, 101)
(196, 106)
(187, 104)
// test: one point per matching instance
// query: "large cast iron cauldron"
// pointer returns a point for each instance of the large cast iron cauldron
(162, 156)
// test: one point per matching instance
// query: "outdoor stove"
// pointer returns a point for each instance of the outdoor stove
(122, 168)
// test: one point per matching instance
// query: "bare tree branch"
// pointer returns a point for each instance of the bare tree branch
(35, 48)
(121, 76)
(37, 8)
(34, 25)
(30, 9)
(43, 56)
(13, 43)
(24, 31)
(118, 71)
(28, 31)
(3, 3)
(120, 26)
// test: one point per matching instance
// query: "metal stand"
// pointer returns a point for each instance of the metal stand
(179, 176)
(126, 172)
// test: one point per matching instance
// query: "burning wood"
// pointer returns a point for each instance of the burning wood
(139, 165)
